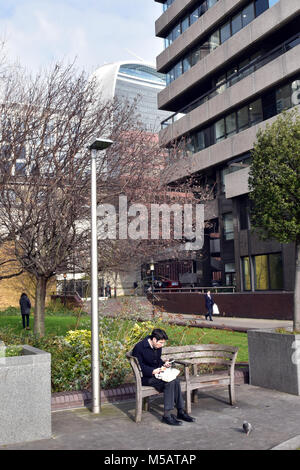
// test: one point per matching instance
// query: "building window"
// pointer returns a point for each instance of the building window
(230, 124)
(244, 213)
(261, 272)
(283, 98)
(194, 16)
(185, 24)
(186, 64)
(276, 271)
(236, 23)
(246, 270)
(248, 14)
(225, 32)
(261, 6)
(178, 70)
(214, 41)
(230, 277)
(243, 118)
(228, 226)
(220, 130)
(268, 272)
(199, 141)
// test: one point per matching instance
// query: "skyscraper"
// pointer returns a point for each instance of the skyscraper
(135, 81)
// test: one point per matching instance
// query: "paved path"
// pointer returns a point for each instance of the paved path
(143, 309)
(275, 418)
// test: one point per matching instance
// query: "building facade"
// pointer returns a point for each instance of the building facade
(232, 66)
(138, 81)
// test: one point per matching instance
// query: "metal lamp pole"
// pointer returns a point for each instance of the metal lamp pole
(98, 144)
(152, 278)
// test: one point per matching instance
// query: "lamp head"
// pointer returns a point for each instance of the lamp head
(100, 144)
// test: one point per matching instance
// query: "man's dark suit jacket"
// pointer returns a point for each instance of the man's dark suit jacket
(149, 359)
(209, 301)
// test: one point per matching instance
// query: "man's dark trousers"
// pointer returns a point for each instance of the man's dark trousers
(172, 393)
(25, 317)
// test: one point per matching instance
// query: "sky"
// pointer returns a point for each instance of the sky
(38, 33)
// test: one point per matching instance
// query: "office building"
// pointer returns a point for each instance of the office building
(231, 67)
(129, 81)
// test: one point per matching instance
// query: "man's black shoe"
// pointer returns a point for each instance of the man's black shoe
(171, 420)
(185, 417)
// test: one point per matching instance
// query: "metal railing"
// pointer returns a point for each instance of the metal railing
(201, 290)
(254, 65)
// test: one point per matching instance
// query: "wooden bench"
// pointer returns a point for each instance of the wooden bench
(191, 357)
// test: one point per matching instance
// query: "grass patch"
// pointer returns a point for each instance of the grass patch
(54, 325)
(188, 335)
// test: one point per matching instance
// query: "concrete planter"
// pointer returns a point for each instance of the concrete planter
(274, 360)
(25, 391)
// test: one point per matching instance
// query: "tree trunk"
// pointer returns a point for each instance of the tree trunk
(39, 311)
(297, 290)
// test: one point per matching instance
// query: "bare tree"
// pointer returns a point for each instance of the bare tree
(9, 266)
(46, 125)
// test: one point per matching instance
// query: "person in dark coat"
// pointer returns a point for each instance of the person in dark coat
(108, 290)
(209, 302)
(25, 306)
(148, 353)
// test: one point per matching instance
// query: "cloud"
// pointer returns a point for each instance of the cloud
(38, 32)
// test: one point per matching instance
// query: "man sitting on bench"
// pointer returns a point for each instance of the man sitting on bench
(148, 353)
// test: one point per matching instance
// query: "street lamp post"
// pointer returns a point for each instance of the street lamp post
(65, 288)
(152, 267)
(97, 144)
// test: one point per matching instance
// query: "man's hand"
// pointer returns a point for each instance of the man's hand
(160, 369)
(169, 363)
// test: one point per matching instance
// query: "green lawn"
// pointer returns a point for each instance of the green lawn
(54, 325)
(210, 335)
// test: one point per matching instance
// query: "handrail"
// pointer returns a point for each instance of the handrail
(281, 49)
(193, 289)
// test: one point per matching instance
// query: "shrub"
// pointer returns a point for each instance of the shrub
(10, 311)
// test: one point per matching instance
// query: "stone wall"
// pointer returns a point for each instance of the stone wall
(25, 390)
(260, 305)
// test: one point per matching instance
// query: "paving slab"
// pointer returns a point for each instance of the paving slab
(275, 418)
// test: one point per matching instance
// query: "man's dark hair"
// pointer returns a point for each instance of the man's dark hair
(159, 334)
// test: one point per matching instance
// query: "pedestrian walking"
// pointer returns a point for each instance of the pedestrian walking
(148, 353)
(25, 307)
(209, 302)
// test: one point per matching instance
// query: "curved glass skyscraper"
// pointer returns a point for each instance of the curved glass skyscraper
(135, 80)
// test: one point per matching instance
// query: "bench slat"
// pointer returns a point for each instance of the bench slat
(199, 347)
(198, 354)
